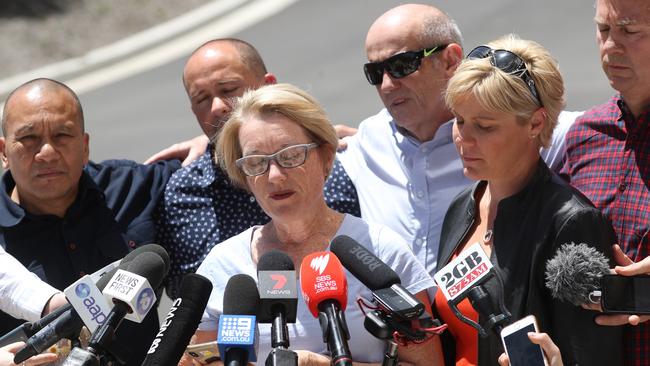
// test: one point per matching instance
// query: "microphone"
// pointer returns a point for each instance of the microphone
(65, 322)
(237, 335)
(181, 322)
(325, 290)
(464, 277)
(574, 272)
(384, 283)
(276, 278)
(28, 329)
(132, 294)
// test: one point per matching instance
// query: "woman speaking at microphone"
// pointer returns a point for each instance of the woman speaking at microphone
(506, 97)
(280, 145)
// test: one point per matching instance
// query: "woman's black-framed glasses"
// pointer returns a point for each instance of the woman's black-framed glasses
(398, 66)
(509, 63)
(289, 157)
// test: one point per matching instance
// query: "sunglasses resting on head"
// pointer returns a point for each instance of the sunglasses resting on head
(509, 63)
(398, 66)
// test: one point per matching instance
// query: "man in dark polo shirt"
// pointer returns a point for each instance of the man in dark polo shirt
(62, 216)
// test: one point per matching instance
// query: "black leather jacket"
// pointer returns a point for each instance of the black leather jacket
(528, 229)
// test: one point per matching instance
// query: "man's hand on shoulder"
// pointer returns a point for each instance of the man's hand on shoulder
(344, 131)
(187, 151)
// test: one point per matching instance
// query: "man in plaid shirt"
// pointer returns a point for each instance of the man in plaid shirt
(608, 148)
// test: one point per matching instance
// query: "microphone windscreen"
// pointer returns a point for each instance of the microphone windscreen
(364, 265)
(322, 278)
(153, 248)
(574, 272)
(150, 266)
(181, 322)
(275, 260)
(106, 277)
(241, 296)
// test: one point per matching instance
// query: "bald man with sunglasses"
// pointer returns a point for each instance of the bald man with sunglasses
(402, 160)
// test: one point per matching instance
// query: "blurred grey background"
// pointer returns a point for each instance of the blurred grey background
(317, 45)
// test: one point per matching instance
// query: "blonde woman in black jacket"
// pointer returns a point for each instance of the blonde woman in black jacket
(506, 97)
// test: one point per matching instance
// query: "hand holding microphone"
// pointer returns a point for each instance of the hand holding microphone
(580, 274)
(625, 267)
(7, 354)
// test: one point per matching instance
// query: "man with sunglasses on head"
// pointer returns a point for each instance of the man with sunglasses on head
(402, 160)
(201, 208)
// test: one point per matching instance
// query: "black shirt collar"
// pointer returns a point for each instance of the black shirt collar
(11, 213)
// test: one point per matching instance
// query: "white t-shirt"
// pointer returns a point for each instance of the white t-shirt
(233, 256)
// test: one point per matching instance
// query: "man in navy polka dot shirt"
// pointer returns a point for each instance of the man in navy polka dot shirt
(200, 207)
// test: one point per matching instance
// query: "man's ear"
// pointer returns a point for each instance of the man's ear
(86, 148)
(452, 56)
(269, 78)
(5, 161)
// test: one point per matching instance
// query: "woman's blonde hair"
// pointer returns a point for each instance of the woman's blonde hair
(498, 91)
(286, 100)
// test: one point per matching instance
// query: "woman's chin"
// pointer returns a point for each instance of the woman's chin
(473, 174)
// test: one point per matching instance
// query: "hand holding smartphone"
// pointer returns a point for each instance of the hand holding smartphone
(520, 350)
(204, 352)
(625, 294)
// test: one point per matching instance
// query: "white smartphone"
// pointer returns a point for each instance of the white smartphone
(204, 352)
(520, 350)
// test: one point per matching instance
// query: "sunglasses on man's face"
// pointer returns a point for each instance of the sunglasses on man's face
(509, 63)
(398, 66)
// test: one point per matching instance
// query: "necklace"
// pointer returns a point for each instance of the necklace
(488, 236)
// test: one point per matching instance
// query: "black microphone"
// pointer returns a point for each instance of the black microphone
(132, 296)
(64, 322)
(276, 278)
(400, 314)
(237, 334)
(132, 293)
(24, 331)
(574, 272)
(148, 265)
(181, 322)
(384, 283)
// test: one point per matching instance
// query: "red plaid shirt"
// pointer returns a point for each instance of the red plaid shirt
(608, 160)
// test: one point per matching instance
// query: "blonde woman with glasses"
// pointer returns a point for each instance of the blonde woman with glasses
(279, 144)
